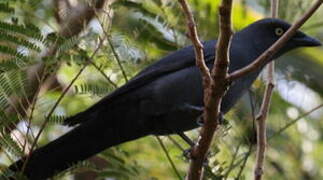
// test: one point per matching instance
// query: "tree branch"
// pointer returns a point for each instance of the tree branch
(220, 79)
(198, 46)
(214, 84)
(262, 116)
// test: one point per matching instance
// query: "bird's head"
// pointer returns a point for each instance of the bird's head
(265, 32)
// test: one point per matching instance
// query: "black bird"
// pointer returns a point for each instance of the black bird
(164, 98)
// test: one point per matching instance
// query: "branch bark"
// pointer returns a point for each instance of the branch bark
(214, 84)
(198, 46)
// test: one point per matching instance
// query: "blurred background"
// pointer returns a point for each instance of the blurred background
(45, 43)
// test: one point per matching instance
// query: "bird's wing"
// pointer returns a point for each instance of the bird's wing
(180, 59)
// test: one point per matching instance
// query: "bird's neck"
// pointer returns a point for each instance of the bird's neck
(247, 49)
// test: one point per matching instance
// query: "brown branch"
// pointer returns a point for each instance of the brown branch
(219, 78)
(211, 83)
(198, 46)
(263, 113)
(261, 132)
(263, 58)
(262, 116)
(195, 171)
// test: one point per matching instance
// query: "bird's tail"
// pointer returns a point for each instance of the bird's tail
(87, 139)
(74, 120)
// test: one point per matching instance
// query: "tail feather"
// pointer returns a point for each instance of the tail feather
(89, 138)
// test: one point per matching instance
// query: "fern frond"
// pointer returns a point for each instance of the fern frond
(7, 120)
(74, 168)
(56, 119)
(30, 31)
(94, 89)
(7, 173)
(5, 85)
(17, 81)
(12, 52)
(4, 104)
(69, 43)
(15, 63)
(119, 167)
(11, 145)
(18, 41)
(13, 82)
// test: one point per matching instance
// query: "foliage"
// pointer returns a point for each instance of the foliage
(133, 36)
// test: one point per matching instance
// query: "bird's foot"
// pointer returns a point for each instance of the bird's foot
(186, 139)
(192, 109)
(200, 120)
(188, 155)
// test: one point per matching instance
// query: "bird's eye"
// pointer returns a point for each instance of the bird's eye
(279, 31)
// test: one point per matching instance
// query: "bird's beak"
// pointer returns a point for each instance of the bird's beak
(306, 41)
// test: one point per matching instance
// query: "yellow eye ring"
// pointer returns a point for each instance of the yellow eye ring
(279, 31)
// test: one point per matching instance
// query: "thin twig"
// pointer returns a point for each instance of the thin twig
(294, 121)
(261, 133)
(169, 158)
(263, 58)
(114, 52)
(231, 166)
(274, 135)
(116, 55)
(102, 72)
(104, 75)
(33, 105)
(198, 46)
(244, 162)
(175, 143)
(264, 109)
